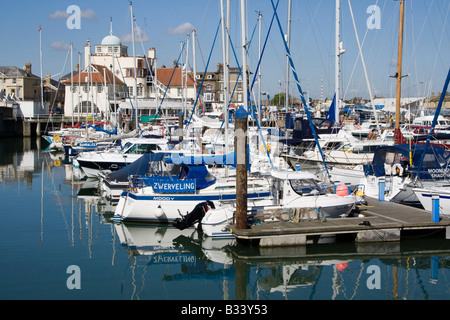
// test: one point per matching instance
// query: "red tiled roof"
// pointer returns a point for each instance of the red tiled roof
(164, 74)
(96, 77)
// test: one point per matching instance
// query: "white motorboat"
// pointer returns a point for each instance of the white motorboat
(114, 159)
(296, 196)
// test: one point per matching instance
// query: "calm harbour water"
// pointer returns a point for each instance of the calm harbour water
(51, 221)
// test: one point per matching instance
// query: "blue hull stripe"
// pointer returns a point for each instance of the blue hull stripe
(440, 197)
(191, 197)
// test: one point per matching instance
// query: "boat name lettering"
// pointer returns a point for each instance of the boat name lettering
(164, 198)
(179, 186)
(437, 173)
(174, 259)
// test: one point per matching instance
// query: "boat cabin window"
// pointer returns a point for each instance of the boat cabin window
(365, 148)
(392, 157)
(332, 145)
(143, 148)
(306, 187)
(429, 160)
(161, 168)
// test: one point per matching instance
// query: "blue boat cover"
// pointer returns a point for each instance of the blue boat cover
(435, 164)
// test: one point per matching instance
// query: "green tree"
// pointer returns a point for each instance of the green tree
(279, 99)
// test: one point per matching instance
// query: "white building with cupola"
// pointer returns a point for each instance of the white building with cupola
(118, 65)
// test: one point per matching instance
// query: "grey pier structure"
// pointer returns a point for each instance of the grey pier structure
(378, 222)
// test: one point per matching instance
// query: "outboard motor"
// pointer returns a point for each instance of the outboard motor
(195, 216)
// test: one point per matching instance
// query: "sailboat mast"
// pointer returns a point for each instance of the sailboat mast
(244, 56)
(288, 40)
(399, 65)
(40, 58)
(225, 74)
(337, 60)
(135, 71)
(71, 77)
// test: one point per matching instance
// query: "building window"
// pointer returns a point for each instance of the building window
(130, 91)
(239, 96)
(14, 80)
(130, 72)
(209, 97)
(140, 91)
(99, 89)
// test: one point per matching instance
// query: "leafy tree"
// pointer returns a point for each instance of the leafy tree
(279, 99)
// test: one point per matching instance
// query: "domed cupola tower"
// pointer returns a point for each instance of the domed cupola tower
(111, 45)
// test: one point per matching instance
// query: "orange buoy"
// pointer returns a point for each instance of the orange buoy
(342, 190)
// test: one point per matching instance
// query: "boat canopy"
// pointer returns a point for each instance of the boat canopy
(140, 167)
(214, 159)
(435, 163)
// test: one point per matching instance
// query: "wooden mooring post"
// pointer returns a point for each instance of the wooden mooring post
(241, 147)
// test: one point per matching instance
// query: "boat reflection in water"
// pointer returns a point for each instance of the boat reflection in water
(340, 271)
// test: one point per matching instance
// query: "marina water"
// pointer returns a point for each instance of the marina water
(57, 241)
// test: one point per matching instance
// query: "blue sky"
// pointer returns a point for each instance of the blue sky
(425, 54)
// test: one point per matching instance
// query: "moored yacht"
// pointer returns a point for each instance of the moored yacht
(116, 158)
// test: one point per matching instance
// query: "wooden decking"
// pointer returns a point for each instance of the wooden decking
(381, 221)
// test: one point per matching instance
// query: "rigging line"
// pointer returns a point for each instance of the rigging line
(420, 33)
(127, 91)
(204, 76)
(253, 83)
(357, 59)
(170, 81)
(305, 105)
(143, 49)
(365, 70)
(57, 89)
(318, 48)
(440, 42)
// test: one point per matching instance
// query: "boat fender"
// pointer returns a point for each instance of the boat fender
(342, 190)
(159, 212)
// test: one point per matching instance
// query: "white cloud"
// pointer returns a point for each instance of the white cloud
(184, 28)
(138, 34)
(88, 14)
(59, 46)
(57, 15)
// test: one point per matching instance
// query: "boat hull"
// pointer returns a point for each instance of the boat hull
(165, 208)
(425, 198)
